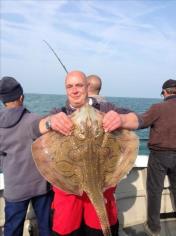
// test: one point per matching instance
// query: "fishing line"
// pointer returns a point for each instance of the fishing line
(56, 55)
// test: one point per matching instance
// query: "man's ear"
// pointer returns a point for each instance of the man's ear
(21, 98)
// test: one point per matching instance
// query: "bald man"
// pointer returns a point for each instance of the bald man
(71, 211)
(94, 86)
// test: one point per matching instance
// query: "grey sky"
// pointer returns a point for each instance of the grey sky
(130, 44)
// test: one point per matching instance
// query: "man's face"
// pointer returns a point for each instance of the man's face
(76, 88)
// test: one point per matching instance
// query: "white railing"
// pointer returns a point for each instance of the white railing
(141, 161)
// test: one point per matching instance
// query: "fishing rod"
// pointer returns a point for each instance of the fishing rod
(56, 56)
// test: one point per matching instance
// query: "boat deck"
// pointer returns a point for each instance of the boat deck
(168, 228)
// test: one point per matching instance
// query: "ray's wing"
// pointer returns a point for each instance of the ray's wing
(54, 155)
(119, 150)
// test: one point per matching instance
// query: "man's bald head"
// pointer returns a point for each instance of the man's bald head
(76, 73)
(94, 84)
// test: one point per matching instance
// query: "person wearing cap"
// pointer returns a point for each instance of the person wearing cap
(161, 118)
(94, 87)
(23, 183)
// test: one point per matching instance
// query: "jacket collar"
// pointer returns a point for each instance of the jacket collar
(170, 97)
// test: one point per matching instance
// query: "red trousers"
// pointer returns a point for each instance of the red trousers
(70, 210)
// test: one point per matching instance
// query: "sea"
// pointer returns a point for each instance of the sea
(44, 103)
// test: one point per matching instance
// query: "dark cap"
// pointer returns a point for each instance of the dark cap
(169, 84)
(10, 89)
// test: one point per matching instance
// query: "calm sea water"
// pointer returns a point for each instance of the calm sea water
(43, 103)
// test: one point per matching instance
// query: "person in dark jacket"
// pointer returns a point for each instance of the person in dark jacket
(70, 210)
(161, 118)
(23, 183)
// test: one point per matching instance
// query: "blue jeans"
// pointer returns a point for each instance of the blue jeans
(161, 163)
(15, 213)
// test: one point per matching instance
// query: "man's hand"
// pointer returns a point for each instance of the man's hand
(111, 121)
(59, 122)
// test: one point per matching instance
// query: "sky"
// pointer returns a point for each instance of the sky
(130, 44)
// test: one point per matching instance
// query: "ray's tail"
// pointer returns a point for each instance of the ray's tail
(98, 202)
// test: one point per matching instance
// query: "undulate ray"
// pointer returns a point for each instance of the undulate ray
(89, 160)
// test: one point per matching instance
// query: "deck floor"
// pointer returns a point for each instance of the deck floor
(168, 228)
